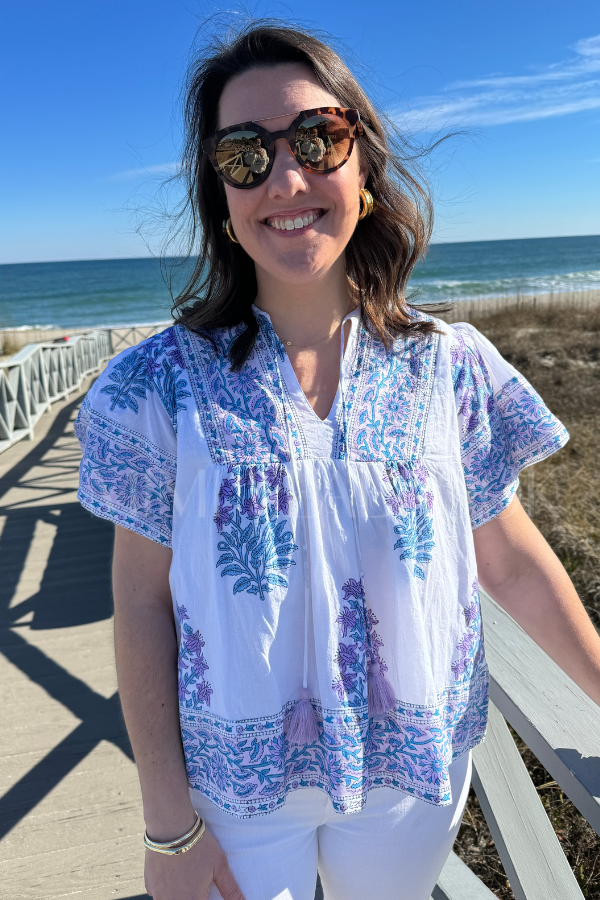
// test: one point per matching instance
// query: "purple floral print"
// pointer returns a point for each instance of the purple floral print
(256, 551)
(194, 690)
(501, 431)
(470, 646)
(357, 622)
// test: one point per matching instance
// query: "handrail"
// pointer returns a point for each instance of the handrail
(39, 375)
(561, 725)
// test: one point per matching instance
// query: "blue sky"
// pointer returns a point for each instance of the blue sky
(90, 116)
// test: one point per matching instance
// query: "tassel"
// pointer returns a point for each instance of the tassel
(303, 727)
(380, 693)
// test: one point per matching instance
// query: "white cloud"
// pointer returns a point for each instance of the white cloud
(560, 89)
(146, 172)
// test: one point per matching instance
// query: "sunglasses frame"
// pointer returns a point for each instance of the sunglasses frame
(350, 116)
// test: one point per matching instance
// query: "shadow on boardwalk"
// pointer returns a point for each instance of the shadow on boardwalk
(54, 581)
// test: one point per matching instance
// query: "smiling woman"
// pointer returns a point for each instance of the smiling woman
(269, 78)
(309, 480)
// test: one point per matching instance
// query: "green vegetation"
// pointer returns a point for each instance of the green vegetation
(558, 351)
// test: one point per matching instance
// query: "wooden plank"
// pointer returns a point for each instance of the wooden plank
(458, 882)
(552, 715)
(532, 857)
(71, 815)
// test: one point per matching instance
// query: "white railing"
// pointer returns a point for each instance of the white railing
(129, 336)
(561, 726)
(40, 374)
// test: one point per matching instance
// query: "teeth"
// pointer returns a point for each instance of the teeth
(292, 224)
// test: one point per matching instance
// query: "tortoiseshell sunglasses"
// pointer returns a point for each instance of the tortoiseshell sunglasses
(321, 140)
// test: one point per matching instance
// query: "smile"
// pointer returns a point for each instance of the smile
(285, 223)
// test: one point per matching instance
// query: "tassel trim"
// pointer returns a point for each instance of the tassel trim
(303, 727)
(380, 693)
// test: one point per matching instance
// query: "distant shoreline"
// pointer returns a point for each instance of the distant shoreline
(13, 339)
(159, 259)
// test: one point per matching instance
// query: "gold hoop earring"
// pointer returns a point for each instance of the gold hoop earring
(228, 230)
(366, 204)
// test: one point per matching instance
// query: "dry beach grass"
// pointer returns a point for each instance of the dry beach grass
(558, 350)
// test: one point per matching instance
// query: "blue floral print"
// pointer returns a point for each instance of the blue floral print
(357, 623)
(234, 451)
(194, 690)
(152, 367)
(470, 647)
(242, 411)
(255, 546)
(412, 503)
(247, 768)
(124, 477)
(501, 432)
(388, 398)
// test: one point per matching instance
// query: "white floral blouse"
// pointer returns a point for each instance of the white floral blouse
(424, 443)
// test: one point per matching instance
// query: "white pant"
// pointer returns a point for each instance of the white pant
(393, 849)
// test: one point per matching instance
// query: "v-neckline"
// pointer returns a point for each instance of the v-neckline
(350, 344)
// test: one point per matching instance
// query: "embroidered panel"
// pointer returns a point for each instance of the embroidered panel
(500, 433)
(388, 398)
(124, 477)
(242, 413)
(248, 767)
(154, 366)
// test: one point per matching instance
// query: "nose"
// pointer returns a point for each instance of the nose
(287, 177)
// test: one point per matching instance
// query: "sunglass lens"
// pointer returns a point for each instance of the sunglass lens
(322, 142)
(242, 158)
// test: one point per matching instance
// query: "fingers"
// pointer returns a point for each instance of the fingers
(226, 883)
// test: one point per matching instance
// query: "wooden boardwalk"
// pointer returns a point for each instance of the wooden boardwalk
(70, 806)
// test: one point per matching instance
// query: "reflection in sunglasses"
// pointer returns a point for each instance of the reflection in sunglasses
(321, 142)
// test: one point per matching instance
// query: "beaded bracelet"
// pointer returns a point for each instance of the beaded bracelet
(180, 845)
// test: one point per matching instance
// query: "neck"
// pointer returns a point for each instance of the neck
(306, 313)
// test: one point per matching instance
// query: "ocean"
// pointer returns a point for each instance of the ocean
(116, 292)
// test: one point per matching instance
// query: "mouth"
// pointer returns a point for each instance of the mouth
(294, 223)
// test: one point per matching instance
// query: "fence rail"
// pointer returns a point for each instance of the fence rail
(39, 375)
(561, 726)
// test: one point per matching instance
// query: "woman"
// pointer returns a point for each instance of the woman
(307, 479)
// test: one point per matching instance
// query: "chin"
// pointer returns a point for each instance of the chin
(298, 266)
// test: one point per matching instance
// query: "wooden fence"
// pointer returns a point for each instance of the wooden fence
(465, 310)
(561, 726)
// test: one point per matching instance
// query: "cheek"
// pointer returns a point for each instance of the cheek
(347, 185)
(239, 203)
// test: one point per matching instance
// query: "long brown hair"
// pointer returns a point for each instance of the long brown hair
(384, 248)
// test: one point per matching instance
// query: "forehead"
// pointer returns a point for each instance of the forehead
(260, 93)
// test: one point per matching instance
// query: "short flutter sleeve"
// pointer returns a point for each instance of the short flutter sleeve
(127, 428)
(504, 423)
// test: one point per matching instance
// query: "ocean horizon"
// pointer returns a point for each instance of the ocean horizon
(123, 292)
